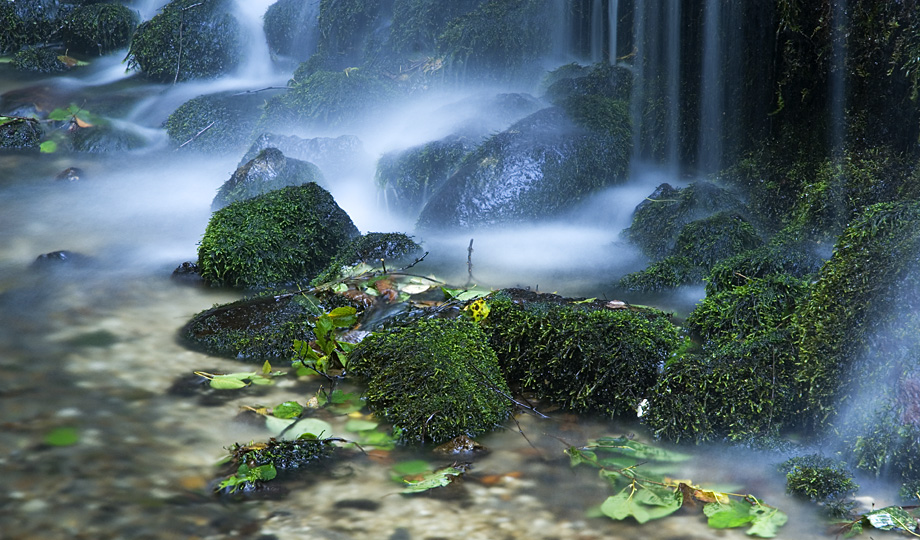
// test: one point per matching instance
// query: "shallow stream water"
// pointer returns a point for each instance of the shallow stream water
(92, 346)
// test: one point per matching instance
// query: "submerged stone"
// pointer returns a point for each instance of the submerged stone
(21, 133)
(282, 237)
(268, 171)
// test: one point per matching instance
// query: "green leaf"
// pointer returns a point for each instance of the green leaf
(343, 317)
(636, 449)
(436, 479)
(48, 147)
(889, 518)
(266, 368)
(727, 516)
(288, 409)
(643, 503)
(224, 382)
(767, 521)
(62, 436)
(360, 425)
(410, 468)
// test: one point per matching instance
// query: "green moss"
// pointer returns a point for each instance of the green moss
(284, 455)
(20, 133)
(346, 29)
(39, 60)
(434, 380)
(254, 329)
(709, 240)
(188, 39)
(582, 356)
(328, 99)
(99, 28)
(417, 24)
(818, 478)
(779, 256)
(268, 171)
(29, 22)
(851, 306)
(409, 177)
(660, 218)
(501, 40)
(289, 30)
(214, 123)
(668, 273)
(282, 237)
(601, 80)
(370, 248)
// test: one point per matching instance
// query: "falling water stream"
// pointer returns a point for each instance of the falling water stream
(92, 346)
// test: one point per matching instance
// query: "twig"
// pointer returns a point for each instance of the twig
(261, 90)
(179, 56)
(416, 261)
(207, 127)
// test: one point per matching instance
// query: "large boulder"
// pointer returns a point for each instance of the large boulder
(292, 28)
(215, 123)
(98, 29)
(188, 39)
(539, 167)
(268, 171)
(29, 22)
(583, 354)
(283, 237)
(433, 380)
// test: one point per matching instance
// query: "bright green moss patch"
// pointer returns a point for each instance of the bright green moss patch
(433, 380)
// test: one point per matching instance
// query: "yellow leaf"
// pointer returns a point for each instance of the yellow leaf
(82, 123)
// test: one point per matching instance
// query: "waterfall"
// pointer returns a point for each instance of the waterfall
(672, 62)
(257, 65)
(837, 79)
(597, 31)
(712, 91)
(613, 11)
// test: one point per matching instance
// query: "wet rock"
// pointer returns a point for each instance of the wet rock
(291, 28)
(336, 157)
(215, 123)
(268, 171)
(39, 60)
(283, 237)
(70, 174)
(58, 259)
(375, 249)
(538, 168)
(29, 22)
(20, 133)
(460, 446)
(187, 272)
(105, 138)
(209, 41)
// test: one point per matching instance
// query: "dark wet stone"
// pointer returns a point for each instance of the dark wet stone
(70, 174)
(460, 446)
(187, 272)
(56, 259)
(358, 504)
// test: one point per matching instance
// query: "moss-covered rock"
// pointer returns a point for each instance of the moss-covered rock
(779, 257)
(661, 217)
(584, 356)
(433, 380)
(188, 39)
(417, 24)
(720, 236)
(20, 133)
(254, 329)
(282, 237)
(328, 99)
(371, 248)
(214, 123)
(573, 80)
(104, 138)
(29, 22)
(539, 167)
(858, 310)
(99, 28)
(347, 32)
(292, 28)
(268, 171)
(818, 478)
(501, 40)
(336, 157)
(409, 177)
(39, 60)
(668, 273)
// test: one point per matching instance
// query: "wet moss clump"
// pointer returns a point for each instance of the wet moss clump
(291, 28)
(585, 357)
(374, 249)
(602, 80)
(285, 455)
(668, 273)
(328, 99)
(254, 329)
(818, 478)
(433, 380)
(20, 133)
(187, 39)
(409, 177)
(858, 311)
(99, 29)
(283, 237)
(417, 24)
(268, 171)
(214, 123)
(39, 60)
(29, 23)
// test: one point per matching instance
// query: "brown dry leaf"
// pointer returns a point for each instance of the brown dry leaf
(82, 123)
(68, 61)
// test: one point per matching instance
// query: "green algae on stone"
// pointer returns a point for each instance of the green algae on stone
(433, 380)
(99, 29)
(283, 237)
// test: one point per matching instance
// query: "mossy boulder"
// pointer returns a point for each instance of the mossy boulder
(410, 177)
(538, 168)
(285, 236)
(583, 355)
(39, 60)
(29, 22)
(660, 218)
(105, 138)
(336, 157)
(214, 123)
(98, 29)
(188, 39)
(668, 273)
(501, 40)
(371, 248)
(292, 28)
(20, 132)
(268, 171)
(573, 80)
(433, 380)
(328, 99)
(417, 24)
(818, 478)
(347, 32)
(856, 330)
